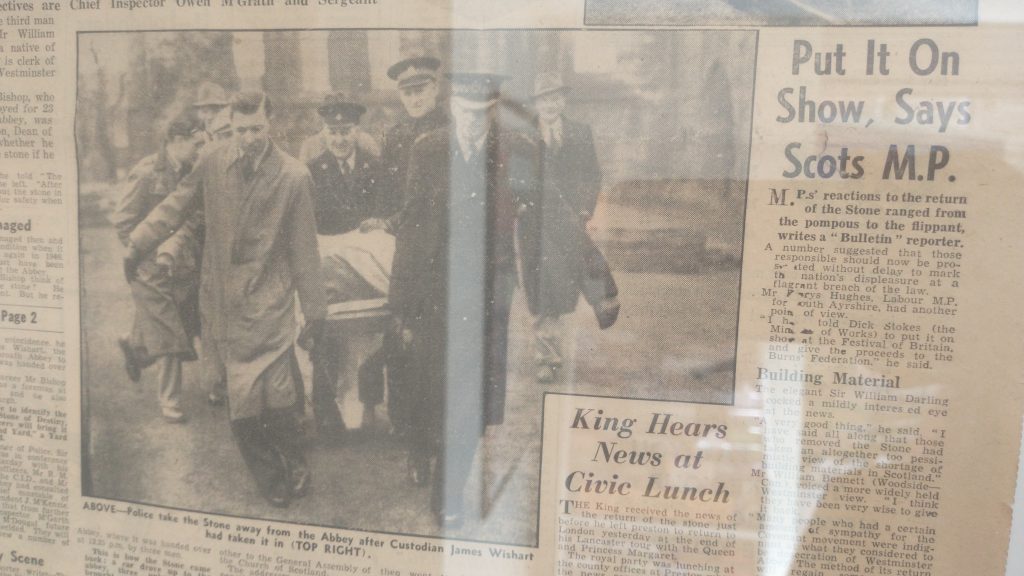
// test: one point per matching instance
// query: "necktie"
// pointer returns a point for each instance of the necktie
(248, 168)
(554, 138)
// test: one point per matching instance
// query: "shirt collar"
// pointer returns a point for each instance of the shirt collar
(552, 131)
(347, 165)
(259, 157)
(556, 125)
(470, 149)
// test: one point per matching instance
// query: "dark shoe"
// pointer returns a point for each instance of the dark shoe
(299, 482)
(419, 470)
(369, 418)
(607, 312)
(278, 496)
(131, 364)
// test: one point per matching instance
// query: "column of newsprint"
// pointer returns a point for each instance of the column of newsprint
(875, 293)
(35, 400)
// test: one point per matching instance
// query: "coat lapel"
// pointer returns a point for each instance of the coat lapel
(253, 191)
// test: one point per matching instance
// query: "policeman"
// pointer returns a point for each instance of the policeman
(453, 280)
(418, 89)
(344, 188)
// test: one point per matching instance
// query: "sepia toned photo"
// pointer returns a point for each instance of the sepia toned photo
(328, 276)
(782, 13)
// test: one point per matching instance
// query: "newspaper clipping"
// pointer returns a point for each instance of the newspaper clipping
(439, 287)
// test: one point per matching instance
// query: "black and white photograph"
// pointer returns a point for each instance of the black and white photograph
(782, 13)
(327, 276)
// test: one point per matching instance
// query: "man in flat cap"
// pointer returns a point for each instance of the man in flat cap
(344, 195)
(558, 256)
(165, 317)
(453, 279)
(418, 89)
(260, 252)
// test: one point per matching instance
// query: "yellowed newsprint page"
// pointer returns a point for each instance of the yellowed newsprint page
(533, 288)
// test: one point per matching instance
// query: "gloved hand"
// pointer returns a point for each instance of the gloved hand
(401, 332)
(165, 262)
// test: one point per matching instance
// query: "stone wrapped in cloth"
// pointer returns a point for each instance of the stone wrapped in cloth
(356, 265)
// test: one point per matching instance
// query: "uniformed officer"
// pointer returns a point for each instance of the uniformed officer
(453, 279)
(164, 324)
(419, 90)
(344, 176)
(344, 188)
(418, 86)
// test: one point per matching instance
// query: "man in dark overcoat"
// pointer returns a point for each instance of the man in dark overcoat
(260, 251)
(345, 188)
(418, 86)
(166, 320)
(419, 90)
(452, 282)
(559, 258)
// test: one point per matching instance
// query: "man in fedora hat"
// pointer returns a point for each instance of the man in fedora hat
(165, 316)
(344, 195)
(417, 81)
(453, 279)
(210, 100)
(559, 258)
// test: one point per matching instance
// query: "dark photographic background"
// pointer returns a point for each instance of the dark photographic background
(670, 114)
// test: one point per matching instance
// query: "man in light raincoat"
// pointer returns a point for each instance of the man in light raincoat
(260, 251)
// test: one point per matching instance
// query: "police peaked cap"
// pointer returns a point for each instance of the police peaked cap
(414, 71)
(476, 87)
(337, 110)
(210, 94)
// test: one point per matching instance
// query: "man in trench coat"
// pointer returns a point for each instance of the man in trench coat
(452, 283)
(166, 319)
(558, 256)
(260, 251)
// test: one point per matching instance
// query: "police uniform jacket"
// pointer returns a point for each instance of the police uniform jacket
(394, 162)
(342, 200)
